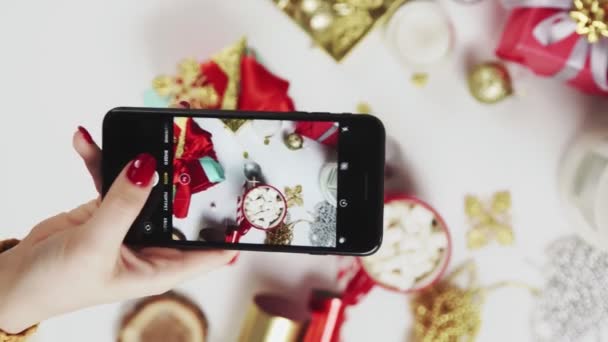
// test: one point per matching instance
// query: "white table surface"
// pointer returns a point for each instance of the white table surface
(66, 62)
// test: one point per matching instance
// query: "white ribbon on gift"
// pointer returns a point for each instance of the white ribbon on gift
(559, 27)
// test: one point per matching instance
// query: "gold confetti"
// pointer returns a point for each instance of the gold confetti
(420, 79)
(266, 140)
(294, 196)
(489, 220)
(246, 155)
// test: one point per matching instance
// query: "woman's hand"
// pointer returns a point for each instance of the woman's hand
(77, 259)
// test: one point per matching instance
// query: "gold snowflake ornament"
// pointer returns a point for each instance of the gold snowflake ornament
(294, 196)
(591, 20)
(489, 220)
(190, 85)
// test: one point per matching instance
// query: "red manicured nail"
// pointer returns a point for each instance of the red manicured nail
(142, 169)
(85, 134)
(184, 104)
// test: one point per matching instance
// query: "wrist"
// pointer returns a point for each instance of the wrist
(12, 318)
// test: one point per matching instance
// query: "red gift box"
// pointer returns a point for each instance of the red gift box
(189, 176)
(544, 39)
(325, 132)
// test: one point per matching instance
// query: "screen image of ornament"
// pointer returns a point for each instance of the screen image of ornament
(338, 25)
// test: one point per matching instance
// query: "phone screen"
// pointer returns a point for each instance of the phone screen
(246, 181)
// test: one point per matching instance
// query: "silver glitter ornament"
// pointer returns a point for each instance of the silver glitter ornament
(574, 302)
(323, 229)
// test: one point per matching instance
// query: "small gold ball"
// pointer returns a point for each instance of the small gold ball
(490, 82)
(364, 108)
(294, 141)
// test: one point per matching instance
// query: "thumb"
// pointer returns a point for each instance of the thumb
(124, 201)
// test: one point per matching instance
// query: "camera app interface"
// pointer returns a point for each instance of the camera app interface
(254, 181)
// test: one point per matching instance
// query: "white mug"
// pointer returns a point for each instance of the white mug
(583, 184)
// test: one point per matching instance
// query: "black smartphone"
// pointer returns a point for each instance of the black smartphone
(288, 182)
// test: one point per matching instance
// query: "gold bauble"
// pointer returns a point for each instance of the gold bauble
(294, 141)
(490, 82)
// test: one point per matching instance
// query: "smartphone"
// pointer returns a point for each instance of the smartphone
(263, 181)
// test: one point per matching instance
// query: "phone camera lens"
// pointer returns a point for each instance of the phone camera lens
(148, 227)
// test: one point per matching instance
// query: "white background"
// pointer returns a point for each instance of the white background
(67, 62)
(280, 167)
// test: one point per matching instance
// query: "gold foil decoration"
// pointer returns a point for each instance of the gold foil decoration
(338, 25)
(190, 85)
(447, 312)
(229, 60)
(590, 17)
(293, 196)
(490, 83)
(489, 220)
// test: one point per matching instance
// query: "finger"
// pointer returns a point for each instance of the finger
(63, 222)
(161, 269)
(90, 154)
(124, 201)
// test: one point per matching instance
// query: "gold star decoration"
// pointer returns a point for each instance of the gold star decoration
(591, 20)
(294, 196)
(190, 85)
(489, 220)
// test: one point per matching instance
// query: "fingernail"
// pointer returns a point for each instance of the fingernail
(141, 171)
(85, 134)
(184, 104)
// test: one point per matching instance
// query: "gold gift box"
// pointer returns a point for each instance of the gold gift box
(338, 25)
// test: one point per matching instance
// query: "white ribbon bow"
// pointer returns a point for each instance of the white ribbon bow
(559, 27)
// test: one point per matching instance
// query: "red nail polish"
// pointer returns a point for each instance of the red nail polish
(141, 171)
(234, 259)
(85, 134)
(184, 104)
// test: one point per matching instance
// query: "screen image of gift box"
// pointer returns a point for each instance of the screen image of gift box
(216, 192)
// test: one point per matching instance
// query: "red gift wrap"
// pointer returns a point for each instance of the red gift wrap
(189, 176)
(325, 132)
(542, 35)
